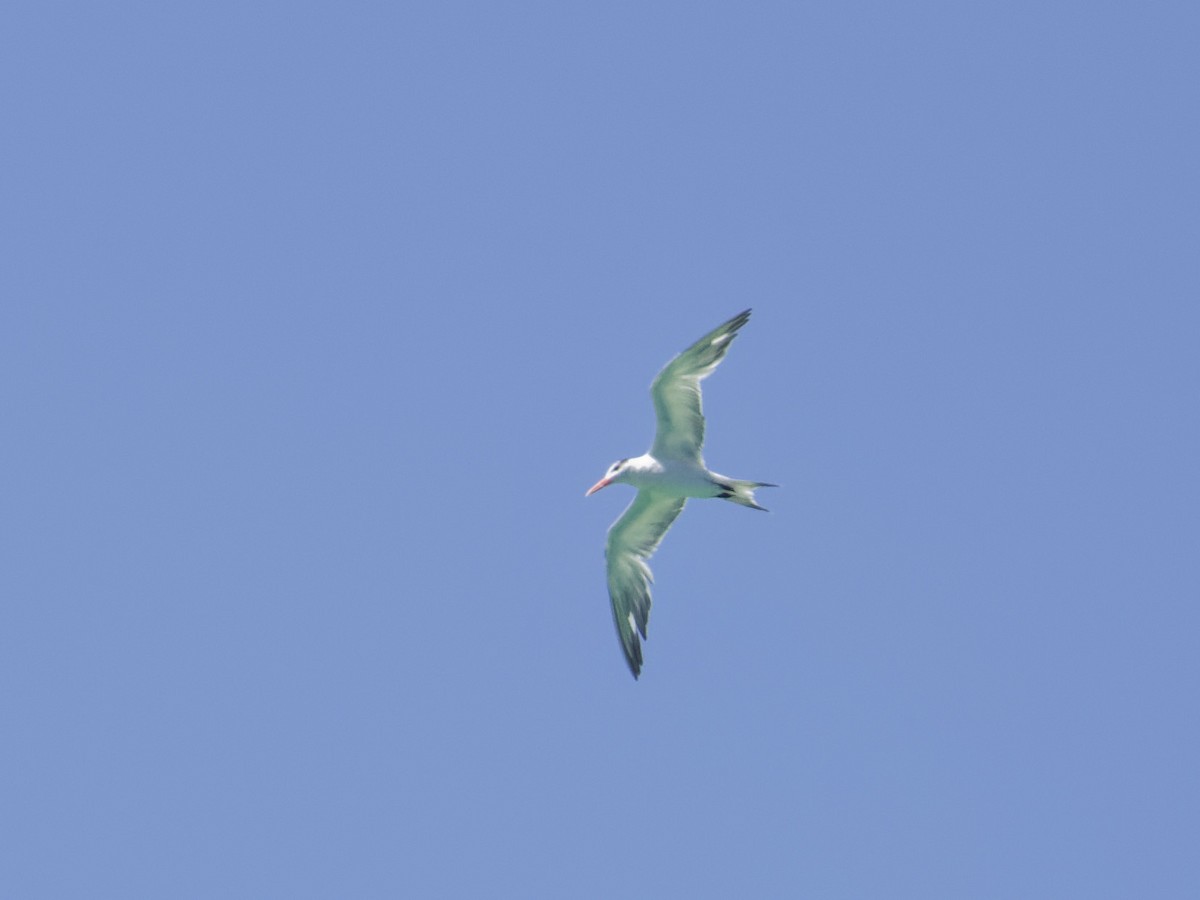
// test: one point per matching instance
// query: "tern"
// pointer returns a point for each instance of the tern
(666, 477)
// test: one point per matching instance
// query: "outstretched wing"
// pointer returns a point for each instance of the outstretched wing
(676, 393)
(632, 540)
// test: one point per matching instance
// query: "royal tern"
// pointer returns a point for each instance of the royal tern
(666, 477)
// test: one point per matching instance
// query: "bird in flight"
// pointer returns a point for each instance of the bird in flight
(665, 478)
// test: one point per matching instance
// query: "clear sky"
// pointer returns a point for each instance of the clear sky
(317, 320)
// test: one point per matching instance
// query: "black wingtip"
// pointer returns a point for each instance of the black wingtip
(737, 321)
(635, 666)
(633, 653)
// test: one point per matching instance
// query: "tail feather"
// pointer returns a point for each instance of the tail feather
(742, 492)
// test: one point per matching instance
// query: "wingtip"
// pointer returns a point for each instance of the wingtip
(737, 321)
(635, 666)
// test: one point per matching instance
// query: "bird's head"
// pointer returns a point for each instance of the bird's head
(615, 473)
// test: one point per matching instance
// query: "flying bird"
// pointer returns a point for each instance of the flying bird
(666, 477)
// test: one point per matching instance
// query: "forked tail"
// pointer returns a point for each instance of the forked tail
(742, 492)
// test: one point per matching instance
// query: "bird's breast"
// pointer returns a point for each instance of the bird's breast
(678, 479)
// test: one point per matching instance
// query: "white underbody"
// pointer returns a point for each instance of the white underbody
(671, 477)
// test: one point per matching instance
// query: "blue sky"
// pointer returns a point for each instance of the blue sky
(318, 320)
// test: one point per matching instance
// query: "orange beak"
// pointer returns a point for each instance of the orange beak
(603, 482)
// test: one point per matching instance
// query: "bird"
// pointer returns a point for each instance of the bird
(666, 477)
